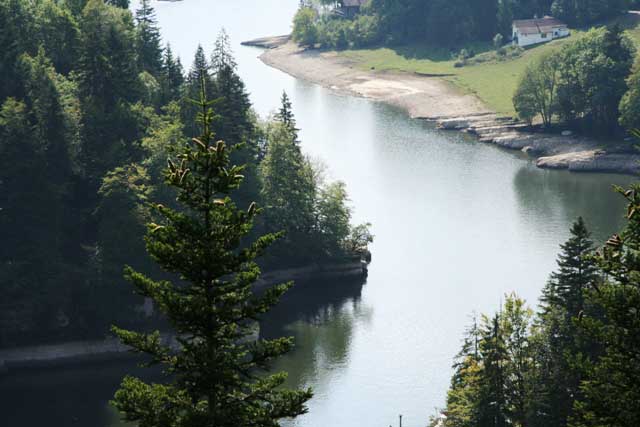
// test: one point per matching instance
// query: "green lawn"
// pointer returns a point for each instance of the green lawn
(494, 82)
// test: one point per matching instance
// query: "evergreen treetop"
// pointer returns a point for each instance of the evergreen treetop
(148, 39)
(285, 114)
(222, 56)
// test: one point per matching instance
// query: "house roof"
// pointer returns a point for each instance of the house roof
(353, 3)
(535, 26)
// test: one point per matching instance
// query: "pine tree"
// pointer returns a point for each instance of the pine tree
(493, 400)
(215, 375)
(285, 115)
(518, 370)
(463, 397)
(148, 39)
(172, 76)
(222, 56)
(200, 71)
(289, 188)
(17, 33)
(610, 391)
(577, 272)
(108, 84)
(563, 346)
(199, 74)
(24, 249)
(234, 123)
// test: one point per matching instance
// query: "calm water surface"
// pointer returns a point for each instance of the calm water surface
(457, 225)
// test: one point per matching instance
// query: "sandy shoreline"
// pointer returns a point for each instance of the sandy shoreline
(437, 101)
(421, 97)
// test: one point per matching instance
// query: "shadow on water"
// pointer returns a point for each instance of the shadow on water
(67, 396)
(559, 197)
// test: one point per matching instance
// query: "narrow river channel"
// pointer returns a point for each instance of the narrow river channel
(457, 224)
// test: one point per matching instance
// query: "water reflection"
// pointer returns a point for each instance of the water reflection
(321, 316)
(550, 199)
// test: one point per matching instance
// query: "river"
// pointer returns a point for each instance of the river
(458, 224)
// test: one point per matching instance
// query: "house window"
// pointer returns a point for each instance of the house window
(543, 35)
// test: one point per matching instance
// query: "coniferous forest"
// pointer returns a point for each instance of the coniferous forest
(92, 105)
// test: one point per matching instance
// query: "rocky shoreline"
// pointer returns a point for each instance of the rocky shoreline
(432, 99)
(551, 151)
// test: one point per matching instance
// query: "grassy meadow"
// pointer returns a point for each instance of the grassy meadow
(493, 81)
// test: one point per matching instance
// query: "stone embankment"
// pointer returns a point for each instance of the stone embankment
(68, 353)
(351, 269)
(50, 355)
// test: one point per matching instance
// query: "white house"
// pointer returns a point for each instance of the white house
(527, 32)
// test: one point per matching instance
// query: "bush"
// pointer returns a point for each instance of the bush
(630, 103)
(365, 30)
(334, 33)
(305, 31)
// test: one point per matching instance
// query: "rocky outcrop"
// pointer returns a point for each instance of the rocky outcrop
(592, 161)
(552, 151)
(268, 42)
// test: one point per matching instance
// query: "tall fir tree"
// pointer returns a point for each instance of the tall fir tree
(222, 56)
(289, 189)
(172, 77)
(199, 74)
(285, 114)
(216, 377)
(235, 121)
(108, 80)
(518, 369)
(562, 348)
(610, 390)
(463, 397)
(148, 43)
(493, 399)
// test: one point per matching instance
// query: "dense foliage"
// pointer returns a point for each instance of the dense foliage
(587, 84)
(215, 376)
(91, 106)
(437, 22)
(574, 363)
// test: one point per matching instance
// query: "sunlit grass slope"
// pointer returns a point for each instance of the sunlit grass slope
(494, 81)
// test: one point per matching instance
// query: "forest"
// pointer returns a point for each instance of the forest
(92, 105)
(440, 22)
